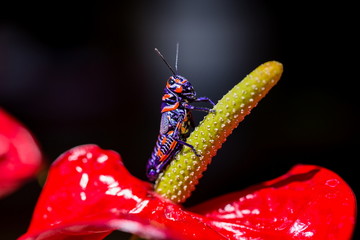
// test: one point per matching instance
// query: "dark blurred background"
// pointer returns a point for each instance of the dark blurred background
(77, 73)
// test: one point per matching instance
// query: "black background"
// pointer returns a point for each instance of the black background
(77, 73)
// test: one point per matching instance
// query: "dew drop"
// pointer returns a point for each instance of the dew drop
(331, 195)
(332, 183)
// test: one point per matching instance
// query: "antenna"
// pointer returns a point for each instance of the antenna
(177, 56)
(167, 64)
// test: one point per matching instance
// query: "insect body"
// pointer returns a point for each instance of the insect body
(176, 122)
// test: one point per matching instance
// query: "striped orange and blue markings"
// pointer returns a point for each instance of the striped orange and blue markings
(176, 122)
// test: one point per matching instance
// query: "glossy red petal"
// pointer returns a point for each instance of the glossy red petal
(20, 157)
(309, 202)
(89, 193)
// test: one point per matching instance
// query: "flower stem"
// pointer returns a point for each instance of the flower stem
(183, 173)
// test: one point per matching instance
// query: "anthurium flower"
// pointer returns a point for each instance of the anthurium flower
(89, 193)
(20, 156)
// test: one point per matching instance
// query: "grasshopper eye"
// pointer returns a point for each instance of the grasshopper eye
(171, 81)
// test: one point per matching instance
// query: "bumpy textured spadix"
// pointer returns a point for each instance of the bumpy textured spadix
(180, 178)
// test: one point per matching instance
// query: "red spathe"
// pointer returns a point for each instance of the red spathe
(89, 193)
(20, 156)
